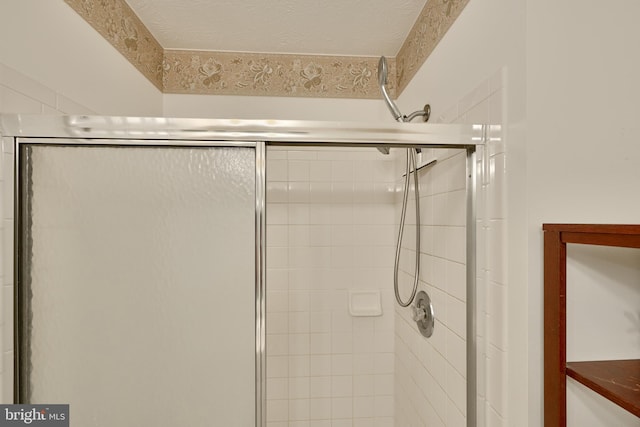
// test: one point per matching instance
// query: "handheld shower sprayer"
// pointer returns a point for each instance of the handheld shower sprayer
(411, 168)
(383, 74)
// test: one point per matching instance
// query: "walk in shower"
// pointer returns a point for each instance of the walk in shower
(239, 273)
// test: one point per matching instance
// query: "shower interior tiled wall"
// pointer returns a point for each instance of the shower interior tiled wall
(431, 374)
(332, 221)
(330, 230)
(331, 227)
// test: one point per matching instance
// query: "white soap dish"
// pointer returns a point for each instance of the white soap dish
(365, 303)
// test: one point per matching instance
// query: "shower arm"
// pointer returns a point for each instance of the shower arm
(425, 113)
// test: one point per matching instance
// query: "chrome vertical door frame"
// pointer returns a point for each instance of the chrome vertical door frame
(21, 356)
(472, 346)
(21, 177)
(261, 269)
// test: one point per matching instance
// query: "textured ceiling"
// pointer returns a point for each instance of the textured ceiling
(331, 27)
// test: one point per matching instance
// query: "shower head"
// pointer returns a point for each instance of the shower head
(383, 72)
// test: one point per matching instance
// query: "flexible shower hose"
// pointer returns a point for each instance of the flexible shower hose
(411, 161)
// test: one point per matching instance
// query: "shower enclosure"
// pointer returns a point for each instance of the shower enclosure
(170, 271)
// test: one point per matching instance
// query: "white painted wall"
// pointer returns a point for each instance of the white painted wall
(48, 42)
(603, 323)
(268, 107)
(582, 147)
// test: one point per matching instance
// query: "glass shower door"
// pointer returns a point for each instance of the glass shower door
(137, 283)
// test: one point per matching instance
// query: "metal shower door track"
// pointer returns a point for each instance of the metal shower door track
(273, 132)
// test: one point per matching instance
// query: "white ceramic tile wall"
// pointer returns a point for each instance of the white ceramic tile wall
(431, 373)
(6, 272)
(313, 238)
(18, 95)
(330, 229)
(487, 107)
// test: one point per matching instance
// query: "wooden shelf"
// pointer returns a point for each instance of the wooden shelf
(617, 380)
(597, 234)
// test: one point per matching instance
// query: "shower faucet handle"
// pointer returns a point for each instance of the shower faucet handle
(419, 313)
(423, 314)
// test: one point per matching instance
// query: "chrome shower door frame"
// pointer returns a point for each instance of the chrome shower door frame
(216, 132)
(20, 216)
(472, 290)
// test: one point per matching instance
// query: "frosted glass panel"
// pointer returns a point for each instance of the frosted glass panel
(141, 271)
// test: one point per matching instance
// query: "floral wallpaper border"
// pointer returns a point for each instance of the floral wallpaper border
(257, 74)
(120, 26)
(230, 73)
(436, 18)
